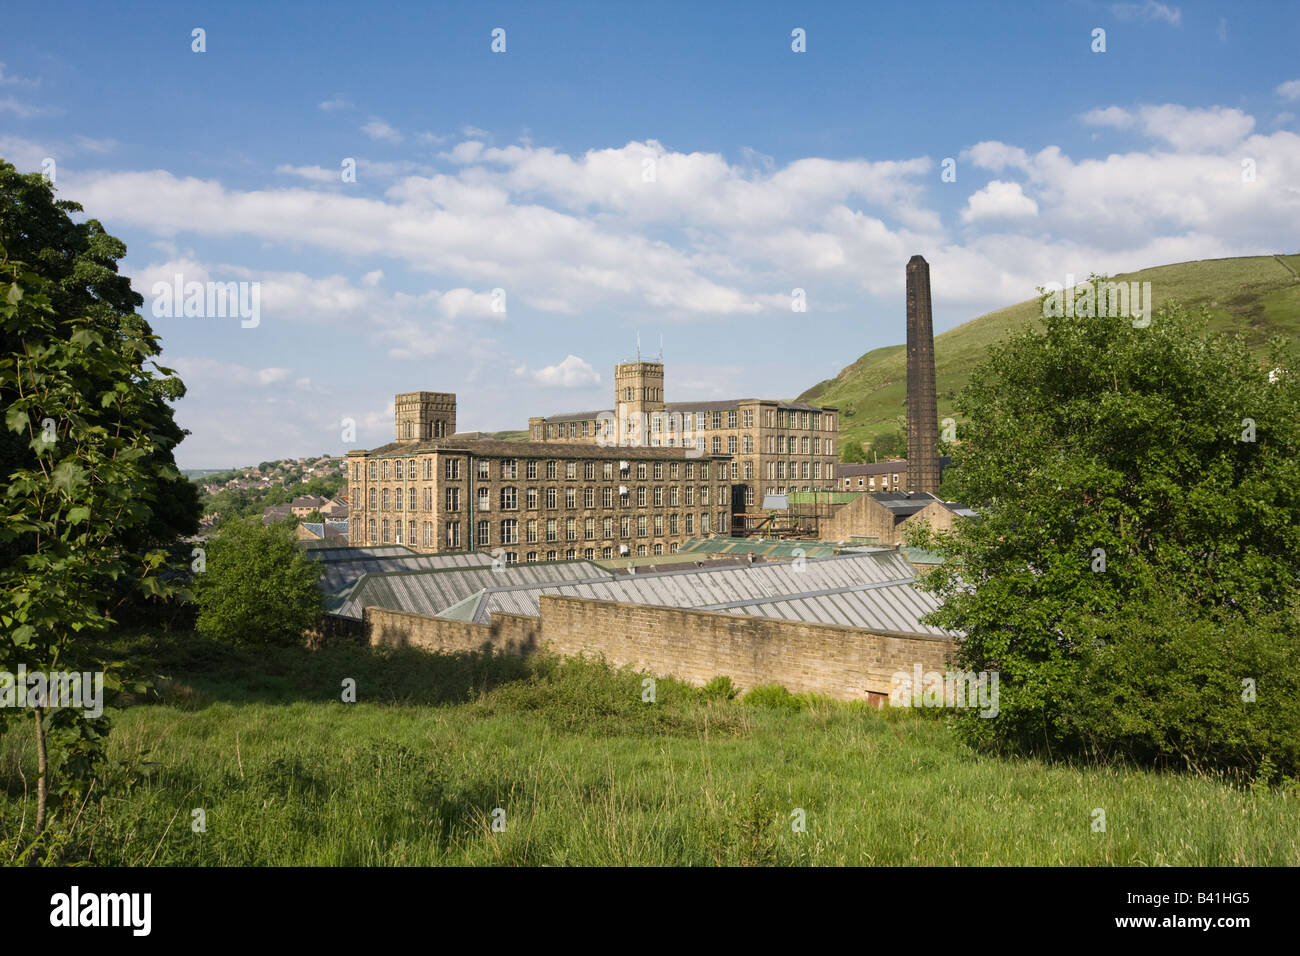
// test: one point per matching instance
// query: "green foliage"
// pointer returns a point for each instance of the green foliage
(851, 452)
(259, 586)
(1092, 434)
(773, 697)
(889, 444)
(720, 688)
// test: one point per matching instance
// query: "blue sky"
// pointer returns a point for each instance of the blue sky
(525, 171)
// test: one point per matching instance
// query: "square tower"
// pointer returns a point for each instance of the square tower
(423, 415)
(638, 393)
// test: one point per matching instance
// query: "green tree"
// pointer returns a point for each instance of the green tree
(889, 444)
(259, 587)
(1121, 475)
(84, 479)
(851, 452)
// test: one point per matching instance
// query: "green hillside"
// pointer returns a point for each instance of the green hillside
(1259, 295)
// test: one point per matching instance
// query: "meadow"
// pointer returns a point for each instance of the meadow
(478, 760)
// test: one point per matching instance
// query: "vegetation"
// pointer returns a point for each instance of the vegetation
(586, 773)
(91, 490)
(1258, 296)
(1134, 575)
(258, 586)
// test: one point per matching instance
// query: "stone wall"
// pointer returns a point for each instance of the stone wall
(694, 646)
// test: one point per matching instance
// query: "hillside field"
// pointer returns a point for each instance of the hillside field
(1258, 296)
(588, 773)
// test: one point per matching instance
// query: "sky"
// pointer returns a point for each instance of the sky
(670, 172)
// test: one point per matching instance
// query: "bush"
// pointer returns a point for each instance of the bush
(720, 688)
(773, 697)
(258, 586)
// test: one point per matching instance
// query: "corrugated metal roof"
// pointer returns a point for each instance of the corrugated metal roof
(333, 552)
(858, 590)
(432, 591)
(337, 575)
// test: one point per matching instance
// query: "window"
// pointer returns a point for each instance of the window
(672, 524)
(658, 549)
(509, 499)
(704, 523)
(356, 471)
(453, 534)
(550, 555)
(510, 531)
(383, 505)
(398, 496)
(484, 533)
(658, 525)
(589, 497)
(384, 539)
(640, 496)
(550, 469)
(397, 469)
(606, 552)
(589, 528)
(530, 498)
(372, 531)
(749, 470)
(551, 529)
(704, 470)
(573, 429)
(552, 500)
(690, 495)
(570, 554)
(659, 471)
(690, 469)
(570, 529)
(640, 470)
(484, 502)
(733, 471)
(428, 469)
(640, 526)
(512, 557)
(383, 469)
(452, 499)
(731, 444)
(717, 419)
(589, 470)
(747, 418)
(452, 469)
(803, 444)
(532, 470)
(588, 553)
(428, 499)
(607, 497)
(374, 469)
(640, 550)
(371, 496)
(607, 528)
(607, 470)
(659, 496)
(690, 523)
(483, 469)
(672, 548)
(509, 468)
(748, 444)
(830, 446)
(532, 557)
(731, 419)
(625, 527)
(410, 532)
(570, 498)
(570, 469)
(530, 529)
(672, 496)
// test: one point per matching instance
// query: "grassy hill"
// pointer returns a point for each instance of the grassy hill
(1258, 295)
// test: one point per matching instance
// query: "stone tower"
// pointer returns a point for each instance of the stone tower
(638, 393)
(424, 415)
(922, 404)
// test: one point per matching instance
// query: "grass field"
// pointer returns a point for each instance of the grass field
(1258, 296)
(587, 773)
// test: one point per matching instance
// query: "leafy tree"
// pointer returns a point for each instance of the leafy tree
(890, 444)
(259, 587)
(851, 452)
(84, 479)
(1137, 554)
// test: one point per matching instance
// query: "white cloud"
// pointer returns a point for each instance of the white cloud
(995, 156)
(999, 200)
(373, 278)
(378, 129)
(1149, 11)
(573, 372)
(1214, 129)
(338, 103)
(22, 110)
(8, 79)
(1290, 90)
(1112, 116)
(317, 174)
(474, 132)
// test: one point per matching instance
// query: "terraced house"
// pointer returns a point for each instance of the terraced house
(771, 446)
(434, 489)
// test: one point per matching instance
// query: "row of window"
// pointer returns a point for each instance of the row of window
(704, 421)
(797, 469)
(406, 470)
(551, 530)
(386, 499)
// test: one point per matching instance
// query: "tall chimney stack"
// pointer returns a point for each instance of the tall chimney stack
(922, 404)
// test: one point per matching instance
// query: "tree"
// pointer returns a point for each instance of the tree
(851, 452)
(259, 587)
(890, 444)
(84, 480)
(1138, 492)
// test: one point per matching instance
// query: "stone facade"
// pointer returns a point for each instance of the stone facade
(694, 646)
(773, 446)
(535, 501)
(922, 403)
